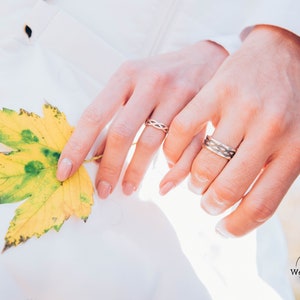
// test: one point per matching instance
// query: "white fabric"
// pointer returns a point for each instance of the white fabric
(139, 247)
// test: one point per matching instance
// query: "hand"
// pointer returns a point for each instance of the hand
(158, 87)
(253, 102)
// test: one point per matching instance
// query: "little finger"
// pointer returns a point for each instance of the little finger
(262, 200)
(183, 166)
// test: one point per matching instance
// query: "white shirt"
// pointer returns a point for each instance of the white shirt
(141, 247)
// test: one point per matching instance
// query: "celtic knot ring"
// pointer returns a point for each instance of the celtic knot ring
(161, 126)
(218, 148)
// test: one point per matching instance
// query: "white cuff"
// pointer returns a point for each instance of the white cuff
(230, 43)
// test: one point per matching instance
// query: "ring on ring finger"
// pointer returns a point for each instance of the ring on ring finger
(219, 148)
(158, 125)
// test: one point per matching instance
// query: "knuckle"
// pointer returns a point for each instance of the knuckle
(275, 124)
(260, 211)
(253, 107)
(92, 116)
(76, 147)
(119, 133)
(179, 126)
(169, 152)
(181, 172)
(227, 91)
(149, 144)
(135, 173)
(225, 191)
(129, 67)
(202, 170)
(156, 78)
(109, 170)
(184, 89)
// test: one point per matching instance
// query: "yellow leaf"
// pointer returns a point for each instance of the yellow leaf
(28, 172)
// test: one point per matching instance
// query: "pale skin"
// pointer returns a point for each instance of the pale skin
(251, 97)
(158, 87)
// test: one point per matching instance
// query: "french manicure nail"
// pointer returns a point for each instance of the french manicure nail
(170, 164)
(222, 231)
(64, 169)
(128, 188)
(213, 210)
(167, 187)
(200, 179)
(104, 189)
(193, 188)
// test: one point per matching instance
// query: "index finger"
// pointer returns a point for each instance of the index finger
(89, 126)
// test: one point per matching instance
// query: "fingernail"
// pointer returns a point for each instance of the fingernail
(197, 184)
(193, 188)
(222, 231)
(104, 189)
(206, 204)
(167, 187)
(64, 169)
(128, 188)
(170, 164)
(200, 179)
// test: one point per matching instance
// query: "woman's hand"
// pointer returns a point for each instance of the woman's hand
(253, 102)
(157, 87)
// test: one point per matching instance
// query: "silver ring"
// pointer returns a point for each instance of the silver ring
(219, 148)
(161, 126)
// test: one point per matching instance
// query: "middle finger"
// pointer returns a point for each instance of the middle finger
(120, 137)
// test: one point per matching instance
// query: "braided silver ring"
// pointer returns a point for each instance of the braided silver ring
(218, 148)
(161, 126)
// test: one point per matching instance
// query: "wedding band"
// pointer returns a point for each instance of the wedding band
(161, 126)
(219, 148)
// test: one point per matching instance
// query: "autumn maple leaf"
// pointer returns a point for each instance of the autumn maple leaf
(28, 172)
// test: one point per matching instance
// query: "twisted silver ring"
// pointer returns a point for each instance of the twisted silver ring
(218, 148)
(161, 126)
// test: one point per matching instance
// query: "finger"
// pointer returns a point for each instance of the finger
(183, 166)
(190, 121)
(231, 184)
(208, 165)
(120, 137)
(151, 139)
(92, 121)
(146, 147)
(262, 200)
(101, 143)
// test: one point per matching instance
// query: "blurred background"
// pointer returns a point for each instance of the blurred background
(289, 214)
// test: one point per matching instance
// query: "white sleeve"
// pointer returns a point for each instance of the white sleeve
(230, 43)
(280, 13)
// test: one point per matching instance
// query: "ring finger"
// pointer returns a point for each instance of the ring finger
(209, 164)
(149, 142)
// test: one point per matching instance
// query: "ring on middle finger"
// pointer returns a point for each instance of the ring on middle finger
(219, 148)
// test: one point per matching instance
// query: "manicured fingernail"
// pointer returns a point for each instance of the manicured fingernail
(167, 187)
(104, 189)
(222, 231)
(128, 188)
(64, 169)
(196, 184)
(170, 164)
(212, 206)
(200, 179)
(197, 189)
